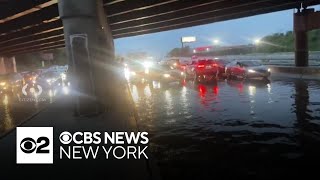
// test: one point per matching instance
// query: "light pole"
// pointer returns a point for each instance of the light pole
(216, 41)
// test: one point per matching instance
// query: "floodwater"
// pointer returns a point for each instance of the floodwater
(231, 128)
(16, 108)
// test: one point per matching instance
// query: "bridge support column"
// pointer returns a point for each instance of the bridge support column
(304, 21)
(301, 49)
(8, 65)
(301, 40)
(90, 48)
(2, 66)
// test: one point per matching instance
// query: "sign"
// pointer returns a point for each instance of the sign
(188, 39)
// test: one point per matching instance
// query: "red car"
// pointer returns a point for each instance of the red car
(203, 70)
(247, 70)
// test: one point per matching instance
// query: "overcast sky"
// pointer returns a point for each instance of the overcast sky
(232, 32)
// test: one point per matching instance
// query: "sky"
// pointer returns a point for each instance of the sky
(232, 32)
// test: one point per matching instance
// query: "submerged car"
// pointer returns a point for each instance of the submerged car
(138, 71)
(165, 73)
(49, 79)
(247, 70)
(202, 70)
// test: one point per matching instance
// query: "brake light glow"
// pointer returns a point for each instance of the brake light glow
(201, 66)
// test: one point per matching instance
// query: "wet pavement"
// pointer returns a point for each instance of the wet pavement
(232, 128)
(16, 108)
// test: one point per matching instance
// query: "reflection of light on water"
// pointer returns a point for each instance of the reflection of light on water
(169, 106)
(184, 99)
(202, 90)
(65, 90)
(215, 90)
(135, 94)
(7, 117)
(5, 100)
(269, 88)
(51, 94)
(252, 90)
(269, 93)
(156, 85)
(126, 73)
(147, 91)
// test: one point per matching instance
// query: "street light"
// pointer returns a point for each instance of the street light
(257, 41)
(216, 41)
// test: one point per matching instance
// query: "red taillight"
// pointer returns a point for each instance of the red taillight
(201, 66)
(214, 65)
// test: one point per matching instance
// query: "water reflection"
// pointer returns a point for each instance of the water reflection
(8, 122)
(234, 120)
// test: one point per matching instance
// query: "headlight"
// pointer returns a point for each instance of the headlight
(166, 75)
(147, 64)
(251, 71)
(2, 83)
(182, 73)
(48, 80)
(269, 70)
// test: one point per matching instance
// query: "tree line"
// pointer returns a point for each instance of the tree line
(277, 42)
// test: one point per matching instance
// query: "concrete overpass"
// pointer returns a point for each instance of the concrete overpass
(87, 29)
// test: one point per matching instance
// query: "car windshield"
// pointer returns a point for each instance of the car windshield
(250, 63)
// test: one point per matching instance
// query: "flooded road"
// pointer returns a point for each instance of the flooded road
(231, 128)
(15, 108)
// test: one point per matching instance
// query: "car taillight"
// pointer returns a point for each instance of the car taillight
(214, 65)
(201, 66)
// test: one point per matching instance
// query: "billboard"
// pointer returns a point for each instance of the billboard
(188, 39)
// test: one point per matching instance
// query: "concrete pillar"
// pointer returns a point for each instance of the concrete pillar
(301, 49)
(2, 66)
(8, 64)
(13, 59)
(90, 48)
(301, 38)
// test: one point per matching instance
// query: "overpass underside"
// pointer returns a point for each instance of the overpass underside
(87, 29)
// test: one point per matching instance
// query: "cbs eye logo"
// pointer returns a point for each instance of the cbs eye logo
(65, 137)
(29, 145)
(34, 145)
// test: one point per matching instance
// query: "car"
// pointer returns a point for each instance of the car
(11, 82)
(137, 71)
(247, 70)
(222, 66)
(165, 73)
(30, 76)
(49, 79)
(202, 70)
